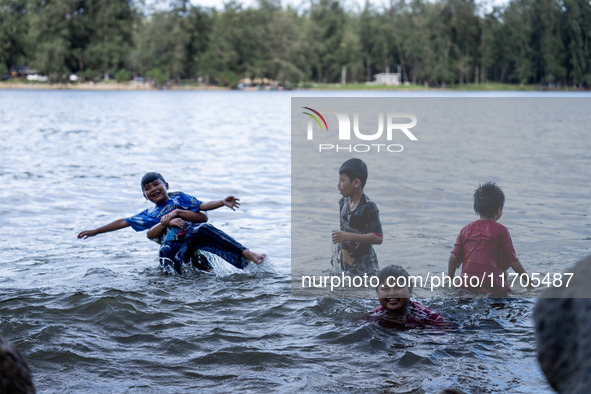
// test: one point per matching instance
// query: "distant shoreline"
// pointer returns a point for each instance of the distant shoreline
(112, 86)
(101, 86)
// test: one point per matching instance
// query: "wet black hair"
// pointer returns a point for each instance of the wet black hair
(393, 271)
(488, 198)
(355, 169)
(151, 177)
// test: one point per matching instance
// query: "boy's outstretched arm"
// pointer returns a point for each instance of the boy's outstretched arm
(116, 225)
(370, 238)
(230, 201)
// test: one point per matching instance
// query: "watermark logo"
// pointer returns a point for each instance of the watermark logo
(389, 124)
(316, 119)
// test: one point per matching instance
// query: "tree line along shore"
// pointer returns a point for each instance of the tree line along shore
(150, 85)
(450, 44)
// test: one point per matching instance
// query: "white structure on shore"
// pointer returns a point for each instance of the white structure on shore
(387, 79)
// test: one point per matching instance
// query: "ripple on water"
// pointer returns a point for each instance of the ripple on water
(98, 315)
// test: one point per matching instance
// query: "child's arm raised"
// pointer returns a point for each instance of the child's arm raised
(116, 225)
(370, 238)
(230, 201)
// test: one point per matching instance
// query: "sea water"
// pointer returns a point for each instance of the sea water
(98, 315)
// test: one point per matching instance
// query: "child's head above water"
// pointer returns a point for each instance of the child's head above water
(352, 177)
(154, 187)
(489, 200)
(150, 177)
(354, 169)
(395, 289)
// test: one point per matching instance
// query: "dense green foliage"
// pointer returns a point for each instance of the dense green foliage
(435, 43)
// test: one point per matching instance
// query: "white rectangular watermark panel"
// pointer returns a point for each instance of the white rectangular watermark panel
(425, 157)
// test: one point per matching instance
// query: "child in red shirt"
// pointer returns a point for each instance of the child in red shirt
(484, 248)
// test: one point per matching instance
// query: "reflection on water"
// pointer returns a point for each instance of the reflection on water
(98, 315)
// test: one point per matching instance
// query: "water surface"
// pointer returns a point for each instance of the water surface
(98, 315)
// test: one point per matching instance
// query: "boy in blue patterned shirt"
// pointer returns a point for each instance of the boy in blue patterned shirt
(177, 222)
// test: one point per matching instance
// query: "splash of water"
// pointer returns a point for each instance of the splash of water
(219, 266)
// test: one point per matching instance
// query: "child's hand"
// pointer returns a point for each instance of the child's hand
(339, 236)
(86, 233)
(165, 219)
(232, 202)
(177, 222)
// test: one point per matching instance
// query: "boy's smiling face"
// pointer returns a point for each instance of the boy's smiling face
(155, 191)
(394, 299)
